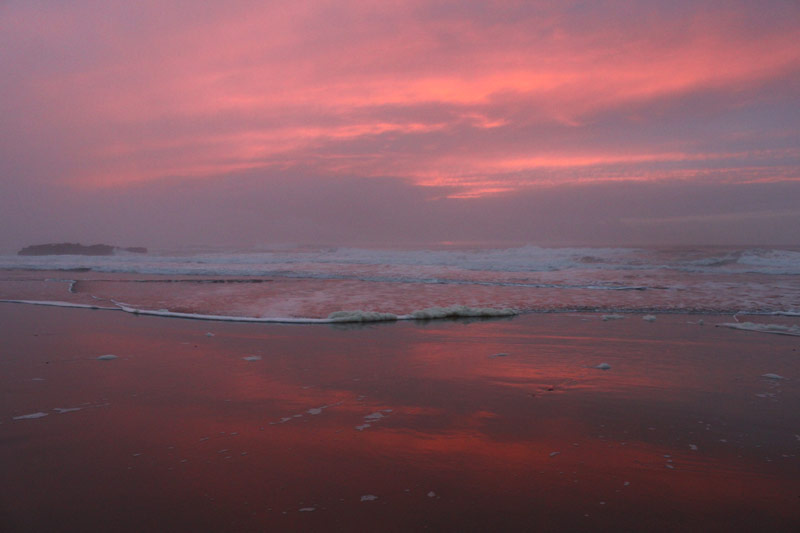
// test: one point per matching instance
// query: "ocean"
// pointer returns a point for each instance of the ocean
(324, 284)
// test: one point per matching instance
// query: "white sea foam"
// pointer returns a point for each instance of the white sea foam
(771, 261)
(455, 311)
(30, 416)
(222, 318)
(778, 329)
(603, 366)
(432, 313)
(606, 318)
(649, 318)
(786, 313)
(55, 303)
(361, 316)
(460, 311)
(372, 418)
(107, 357)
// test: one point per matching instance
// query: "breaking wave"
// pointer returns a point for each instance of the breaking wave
(369, 285)
(346, 261)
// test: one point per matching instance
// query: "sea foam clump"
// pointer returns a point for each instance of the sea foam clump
(361, 316)
(778, 329)
(461, 311)
(431, 313)
(30, 416)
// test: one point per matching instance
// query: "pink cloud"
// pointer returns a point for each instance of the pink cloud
(472, 99)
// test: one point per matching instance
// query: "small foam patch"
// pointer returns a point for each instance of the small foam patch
(778, 329)
(361, 316)
(66, 409)
(30, 416)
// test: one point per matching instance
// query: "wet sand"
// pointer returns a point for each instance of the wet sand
(491, 425)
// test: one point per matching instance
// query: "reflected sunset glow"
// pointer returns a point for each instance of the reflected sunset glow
(402, 411)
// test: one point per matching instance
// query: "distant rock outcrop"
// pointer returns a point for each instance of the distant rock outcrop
(69, 248)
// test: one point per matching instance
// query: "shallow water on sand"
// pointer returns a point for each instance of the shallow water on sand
(498, 425)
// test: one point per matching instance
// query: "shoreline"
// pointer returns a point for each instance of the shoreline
(451, 313)
(287, 298)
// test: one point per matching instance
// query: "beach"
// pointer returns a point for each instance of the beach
(552, 422)
(400, 266)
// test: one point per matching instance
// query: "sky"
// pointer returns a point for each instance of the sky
(390, 122)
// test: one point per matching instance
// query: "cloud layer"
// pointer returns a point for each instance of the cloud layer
(432, 109)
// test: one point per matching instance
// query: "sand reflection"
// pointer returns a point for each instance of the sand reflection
(425, 419)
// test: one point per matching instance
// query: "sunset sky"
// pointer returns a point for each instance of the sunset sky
(378, 122)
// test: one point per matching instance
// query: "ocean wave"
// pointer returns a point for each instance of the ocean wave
(609, 286)
(784, 262)
(342, 261)
(313, 283)
(786, 313)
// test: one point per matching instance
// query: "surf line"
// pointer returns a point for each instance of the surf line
(338, 317)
